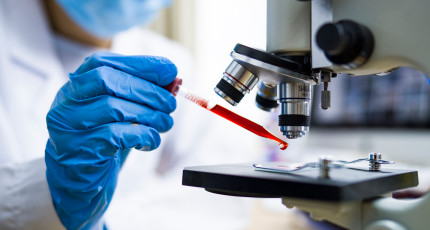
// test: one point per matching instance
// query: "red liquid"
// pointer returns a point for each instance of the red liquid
(247, 124)
(237, 119)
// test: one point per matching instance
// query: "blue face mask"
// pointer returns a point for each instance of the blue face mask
(105, 18)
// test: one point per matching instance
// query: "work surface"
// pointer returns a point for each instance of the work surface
(344, 183)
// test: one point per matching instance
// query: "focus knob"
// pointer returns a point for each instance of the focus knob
(346, 43)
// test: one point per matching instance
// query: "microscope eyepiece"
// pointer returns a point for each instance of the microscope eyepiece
(235, 83)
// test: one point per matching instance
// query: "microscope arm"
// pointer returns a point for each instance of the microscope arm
(400, 32)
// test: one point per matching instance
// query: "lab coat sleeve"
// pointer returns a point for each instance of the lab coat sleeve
(25, 199)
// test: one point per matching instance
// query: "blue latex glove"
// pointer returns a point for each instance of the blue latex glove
(111, 104)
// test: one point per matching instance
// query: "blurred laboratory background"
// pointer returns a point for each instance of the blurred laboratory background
(388, 114)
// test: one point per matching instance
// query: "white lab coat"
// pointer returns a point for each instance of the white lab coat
(33, 65)
(30, 74)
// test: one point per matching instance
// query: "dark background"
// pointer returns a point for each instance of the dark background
(397, 100)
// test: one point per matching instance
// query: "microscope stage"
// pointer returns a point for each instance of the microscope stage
(344, 184)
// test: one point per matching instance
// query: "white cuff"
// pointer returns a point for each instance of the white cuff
(25, 199)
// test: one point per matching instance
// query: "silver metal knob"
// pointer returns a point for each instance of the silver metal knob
(325, 99)
(373, 164)
(325, 163)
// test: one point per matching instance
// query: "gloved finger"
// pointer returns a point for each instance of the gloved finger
(93, 112)
(409, 193)
(127, 135)
(158, 70)
(102, 142)
(106, 80)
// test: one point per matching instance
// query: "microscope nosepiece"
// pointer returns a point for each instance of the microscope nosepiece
(235, 83)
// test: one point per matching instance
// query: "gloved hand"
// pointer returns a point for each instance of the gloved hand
(112, 103)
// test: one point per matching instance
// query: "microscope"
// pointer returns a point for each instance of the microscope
(310, 42)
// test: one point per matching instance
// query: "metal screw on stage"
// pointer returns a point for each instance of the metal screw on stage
(374, 165)
(324, 165)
